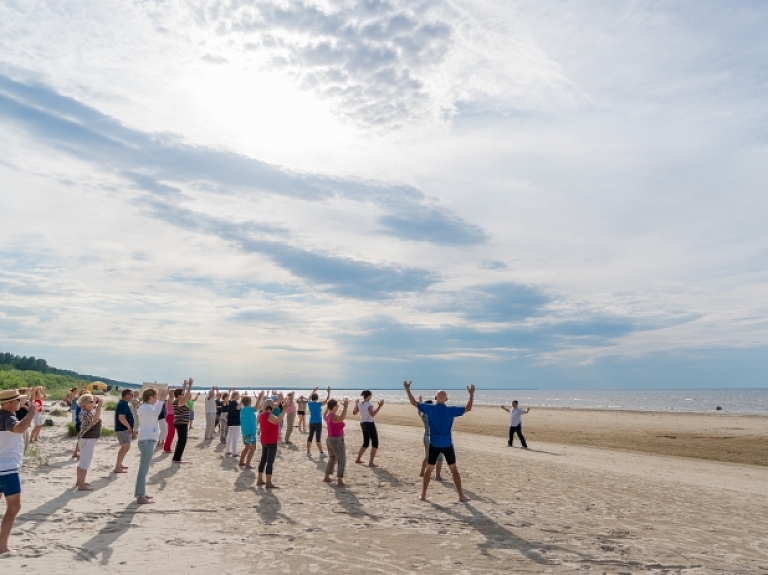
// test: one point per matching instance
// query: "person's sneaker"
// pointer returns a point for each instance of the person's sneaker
(323, 455)
(309, 455)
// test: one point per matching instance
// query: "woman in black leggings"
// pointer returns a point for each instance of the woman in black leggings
(269, 427)
(368, 424)
(181, 418)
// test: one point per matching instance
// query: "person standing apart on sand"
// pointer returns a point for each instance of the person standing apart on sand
(368, 425)
(336, 447)
(210, 412)
(270, 433)
(181, 418)
(124, 429)
(148, 435)
(233, 424)
(169, 421)
(441, 418)
(223, 417)
(440, 458)
(38, 396)
(316, 421)
(11, 457)
(516, 423)
(301, 411)
(90, 431)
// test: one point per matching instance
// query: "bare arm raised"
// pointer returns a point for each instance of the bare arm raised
(471, 390)
(407, 386)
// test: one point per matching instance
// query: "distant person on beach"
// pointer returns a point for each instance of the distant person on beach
(516, 423)
(161, 423)
(301, 412)
(316, 421)
(440, 458)
(11, 457)
(223, 417)
(181, 418)
(90, 431)
(269, 426)
(441, 418)
(124, 428)
(233, 424)
(23, 410)
(170, 420)
(191, 405)
(337, 450)
(368, 424)
(148, 435)
(38, 396)
(210, 412)
(290, 417)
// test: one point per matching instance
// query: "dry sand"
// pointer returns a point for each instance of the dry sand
(553, 509)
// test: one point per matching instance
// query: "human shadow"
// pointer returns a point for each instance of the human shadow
(245, 481)
(229, 462)
(161, 477)
(269, 507)
(545, 452)
(101, 543)
(499, 537)
(220, 447)
(204, 443)
(350, 502)
(44, 512)
(385, 475)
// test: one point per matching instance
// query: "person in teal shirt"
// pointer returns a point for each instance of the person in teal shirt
(249, 428)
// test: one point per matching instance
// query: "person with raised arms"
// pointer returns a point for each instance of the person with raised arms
(11, 457)
(181, 418)
(316, 421)
(336, 447)
(210, 412)
(441, 418)
(516, 423)
(269, 424)
(368, 424)
(148, 435)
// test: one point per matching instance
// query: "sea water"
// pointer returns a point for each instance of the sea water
(746, 401)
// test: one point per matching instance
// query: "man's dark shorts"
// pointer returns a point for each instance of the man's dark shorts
(448, 453)
(10, 484)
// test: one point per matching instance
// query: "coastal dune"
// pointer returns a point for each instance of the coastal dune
(557, 508)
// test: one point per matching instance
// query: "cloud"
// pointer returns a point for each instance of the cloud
(150, 160)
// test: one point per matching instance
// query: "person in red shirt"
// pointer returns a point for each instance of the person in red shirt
(269, 425)
(37, 396)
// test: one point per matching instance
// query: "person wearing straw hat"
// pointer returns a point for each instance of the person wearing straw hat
(11, 455)
(90, 431)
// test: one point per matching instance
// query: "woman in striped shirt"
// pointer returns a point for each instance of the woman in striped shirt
(181, 418)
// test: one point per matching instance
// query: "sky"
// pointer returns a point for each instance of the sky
(353, 193)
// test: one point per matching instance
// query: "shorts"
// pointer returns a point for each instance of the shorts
(38, 421)
(10, 484)
(315, 429)
(370, 435)
(435, 452)
(249, 439)
(191, 415)
(301, 412)
(440, 457)
(124, 437)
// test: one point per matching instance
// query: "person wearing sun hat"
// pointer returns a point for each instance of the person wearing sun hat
(11, 456)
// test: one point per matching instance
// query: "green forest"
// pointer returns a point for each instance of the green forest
(22, 371)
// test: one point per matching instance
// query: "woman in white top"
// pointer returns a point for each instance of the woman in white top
(149, 432)
(368, 424)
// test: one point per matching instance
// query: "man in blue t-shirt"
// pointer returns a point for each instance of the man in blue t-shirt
(124, 429)
(316, 421)
(441, 418)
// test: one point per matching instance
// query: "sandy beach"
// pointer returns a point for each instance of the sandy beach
(589, 502)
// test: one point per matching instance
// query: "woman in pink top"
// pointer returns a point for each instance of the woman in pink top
(337, 451)
(269, 427)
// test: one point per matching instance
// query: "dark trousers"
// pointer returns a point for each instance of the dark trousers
(268, 453)
(519, 430)
(181, 442)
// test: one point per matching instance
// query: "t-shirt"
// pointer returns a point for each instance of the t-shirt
(123, 408)
(210, 404)
(516, 416)
(11, 444)
(335, 428)
(248, 420)
(365, 416)
(302, 404)
(233, 414)
(270, 432)
(291, 407)
(78, 409)
(315, 412)
(191, 404)
(148, 427)
(180, 413)
(441, 418)
(23, 411)
(425, 421)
